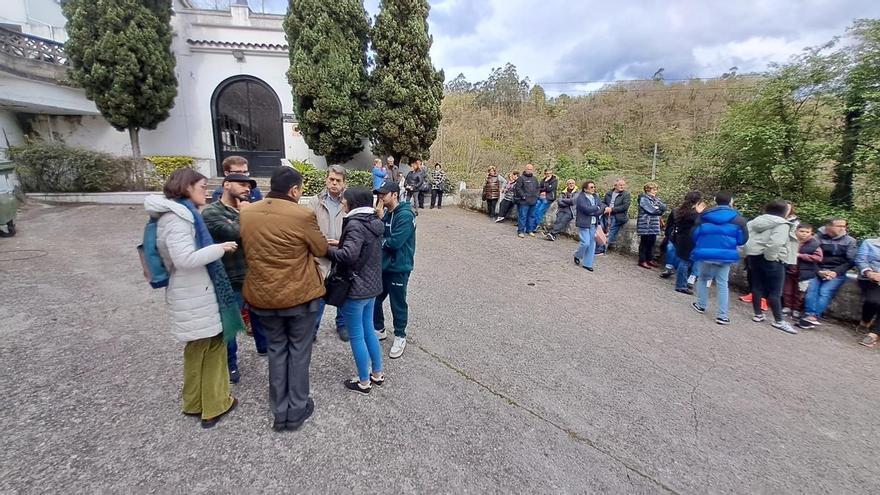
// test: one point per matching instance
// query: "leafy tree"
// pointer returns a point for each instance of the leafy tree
(860, 95)
(406, 90)
(503, 90)
(328, 74)
(459, 85)
(120, 53)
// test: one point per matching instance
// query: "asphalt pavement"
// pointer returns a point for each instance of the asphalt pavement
(523, 373)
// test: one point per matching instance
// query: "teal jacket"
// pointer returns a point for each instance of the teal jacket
(399, 240)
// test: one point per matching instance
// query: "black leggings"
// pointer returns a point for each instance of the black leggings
(646, 247)
(768, 279)
(490, 206)
(437, 197)
(870, 304)
(505, 207)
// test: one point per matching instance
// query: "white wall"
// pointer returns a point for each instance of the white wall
(41, 18)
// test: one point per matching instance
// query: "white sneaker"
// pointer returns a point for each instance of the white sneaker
(785, 327)
(382, 334)
(398, 347)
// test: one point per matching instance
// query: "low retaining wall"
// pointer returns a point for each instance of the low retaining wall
(847, 305)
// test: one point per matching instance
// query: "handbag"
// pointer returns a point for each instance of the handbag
(601, 238)
(337, 285)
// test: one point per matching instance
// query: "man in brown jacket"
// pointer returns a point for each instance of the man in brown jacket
(282, 243)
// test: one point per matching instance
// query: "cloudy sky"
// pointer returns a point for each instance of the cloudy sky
(599, 40)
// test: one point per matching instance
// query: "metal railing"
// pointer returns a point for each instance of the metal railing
(32, 47)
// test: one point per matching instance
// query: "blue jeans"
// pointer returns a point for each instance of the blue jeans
(358, 314)
(719, 272)
(586, 251)
(672, 260)
(525, 221)
(820, 293)
(682, 272)
(260, 341)
(340, 321)
(259, 336)
(540, 209)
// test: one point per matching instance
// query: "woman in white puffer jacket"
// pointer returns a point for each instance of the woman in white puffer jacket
(191, 298)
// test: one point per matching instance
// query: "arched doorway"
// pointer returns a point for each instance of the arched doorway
(247, 121)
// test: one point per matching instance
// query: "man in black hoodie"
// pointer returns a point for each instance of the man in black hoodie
(838, 256)
(525, 195)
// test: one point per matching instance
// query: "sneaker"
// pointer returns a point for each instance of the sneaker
(398, 347)
(796, 314)
(601, 254)
(785, 327)
(685, 291)
(722, 321)
(577, 261)
(382, 334)
(234, 377)
(520, 235)
(343, 334)
(549, 237)
(499, 219)
(531, 234)
(692, 279)
(698, 309)
(759, 318)
(786, 311)
(813, 320)
(354, 385)
(805, 324)
(667, 273)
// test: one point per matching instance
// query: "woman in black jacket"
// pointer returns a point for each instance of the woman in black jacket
(685, 217)
(358, 256)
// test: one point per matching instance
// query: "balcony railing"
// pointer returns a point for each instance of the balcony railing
(32, 47)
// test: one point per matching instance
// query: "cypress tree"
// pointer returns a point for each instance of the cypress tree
(328, 74)
(406, 91)
(120, 54)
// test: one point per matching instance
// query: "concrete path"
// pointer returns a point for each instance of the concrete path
(524, 373)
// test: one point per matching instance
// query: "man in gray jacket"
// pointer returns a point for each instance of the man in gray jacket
(327, 206)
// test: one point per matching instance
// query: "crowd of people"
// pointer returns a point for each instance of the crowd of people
(233, 260)
(793, 269)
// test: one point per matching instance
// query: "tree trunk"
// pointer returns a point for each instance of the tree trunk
(139, 174)
(842, 195)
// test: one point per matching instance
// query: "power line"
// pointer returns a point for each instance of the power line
(618, 81)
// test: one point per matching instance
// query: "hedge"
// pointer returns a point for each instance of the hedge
(56, 167)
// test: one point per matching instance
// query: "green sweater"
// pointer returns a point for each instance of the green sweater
(222, 223)
(399, 240)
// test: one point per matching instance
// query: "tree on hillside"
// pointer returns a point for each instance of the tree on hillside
(459, 85)
(860, 95)
(328, 74)
(503, 91)
(406, 90)
(120, 53)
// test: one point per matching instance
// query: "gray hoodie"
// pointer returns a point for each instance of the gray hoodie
(774, 237)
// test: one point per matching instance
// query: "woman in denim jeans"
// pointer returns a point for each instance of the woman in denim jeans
(589, 211)
(358, 256)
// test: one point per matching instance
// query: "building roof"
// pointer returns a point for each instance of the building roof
(237, 45)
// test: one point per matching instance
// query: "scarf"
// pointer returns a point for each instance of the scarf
(230, 311)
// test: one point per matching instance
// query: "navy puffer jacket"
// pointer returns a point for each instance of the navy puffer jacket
(360, 253)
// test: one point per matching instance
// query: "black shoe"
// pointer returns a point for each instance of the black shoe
(343, 334)
(379, 382)
(355, 385)
(577, 261)
(310, 409)
(234, 377)
(279, 425)
(698, 309)
(666, 273)
(685, 291)
(549, 237)
(588, 268)
(210, 423)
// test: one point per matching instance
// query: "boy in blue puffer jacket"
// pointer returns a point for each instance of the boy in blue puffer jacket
(717, 235)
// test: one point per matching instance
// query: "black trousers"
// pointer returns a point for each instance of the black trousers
(437, 194)
(646, 247)
(490, 207)
(421, 199)
(563, 218)
(505, 207)
(871, 303)
(767, 281)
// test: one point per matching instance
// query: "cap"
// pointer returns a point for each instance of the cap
(283, 178)
(241, 178)
(388, 187)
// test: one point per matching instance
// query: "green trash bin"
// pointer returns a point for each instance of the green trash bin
(9, 198)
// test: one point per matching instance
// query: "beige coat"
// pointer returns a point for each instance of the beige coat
(318, 204)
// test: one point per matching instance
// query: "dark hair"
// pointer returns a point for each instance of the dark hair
(180, 181)
(358, 197)
(284, 178)
(831, 220)
(229, 161)
(587, 183)
(723, 198)
(805, 226)
(690, 201)
(777, 207)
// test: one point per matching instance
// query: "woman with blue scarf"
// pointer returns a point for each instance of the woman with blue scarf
(203, 308)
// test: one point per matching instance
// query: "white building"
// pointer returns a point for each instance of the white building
(232, 97)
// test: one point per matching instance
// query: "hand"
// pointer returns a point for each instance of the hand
(701, 206)
(828, 274)
(332, 242)
(380, 210)
(873, 276)
(229, 247)
(608, 210)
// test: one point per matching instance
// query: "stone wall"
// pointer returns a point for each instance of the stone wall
(847, 305)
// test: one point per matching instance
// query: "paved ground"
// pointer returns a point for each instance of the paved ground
(524, 373)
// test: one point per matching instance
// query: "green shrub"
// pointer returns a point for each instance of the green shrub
(359, 178)
(56, 167)
(163, 167)
(314, 179)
